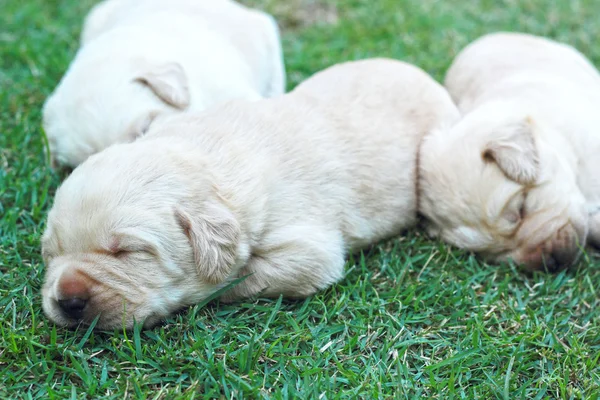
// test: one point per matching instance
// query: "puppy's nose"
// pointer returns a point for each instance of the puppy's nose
(550, 264)
(565, 257)
(73, 307)
(73, 294)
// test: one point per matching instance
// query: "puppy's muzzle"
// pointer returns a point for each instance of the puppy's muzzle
(560, 251)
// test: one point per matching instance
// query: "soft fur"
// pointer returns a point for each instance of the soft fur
(517, 177)
(141, 60)
(277, 190)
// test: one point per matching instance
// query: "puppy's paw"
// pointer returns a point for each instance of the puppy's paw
(296, 262)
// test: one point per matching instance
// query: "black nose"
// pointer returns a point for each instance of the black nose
(550, 264)
(73, 307)
(559, 259)
(566, 257)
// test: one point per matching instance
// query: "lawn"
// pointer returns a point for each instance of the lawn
(413, 317)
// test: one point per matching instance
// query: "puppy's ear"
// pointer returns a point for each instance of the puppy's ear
(514, 150)
(169, 82)
(214, 236)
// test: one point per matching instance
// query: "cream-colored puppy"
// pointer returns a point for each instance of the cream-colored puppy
(277, 190)
(141, 60)
(517, 177)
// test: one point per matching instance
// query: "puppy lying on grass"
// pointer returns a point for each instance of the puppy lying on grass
(141, 60)
(277, 190)
(517, 177)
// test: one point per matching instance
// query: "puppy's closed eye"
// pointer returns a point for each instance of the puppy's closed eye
(121, 253)
(522, 207)
(135, 255)
(128, 246)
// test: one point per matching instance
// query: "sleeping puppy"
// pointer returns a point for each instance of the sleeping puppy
(517, 177)
(141, 60)
(277, 191)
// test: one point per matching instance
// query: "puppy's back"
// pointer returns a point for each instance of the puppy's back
(493, 59)
(109, 14)
(252, 33)
(381, 110)
(392, 89)
(340, 149)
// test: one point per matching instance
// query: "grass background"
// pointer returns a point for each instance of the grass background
(413, 318)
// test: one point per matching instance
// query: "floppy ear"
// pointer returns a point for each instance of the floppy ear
(169, 82)
(515, 152)
(214, 238)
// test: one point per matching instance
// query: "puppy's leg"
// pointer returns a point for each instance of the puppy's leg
(296, 262)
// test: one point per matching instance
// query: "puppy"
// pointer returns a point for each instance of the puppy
(517, 177)
(277, 191)
(141, 60)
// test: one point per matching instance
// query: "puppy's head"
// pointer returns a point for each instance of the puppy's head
(136, 233)
(496, 184)
(107, 98)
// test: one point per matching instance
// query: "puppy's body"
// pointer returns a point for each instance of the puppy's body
(278, 190)
(144, 60)
(528, 186)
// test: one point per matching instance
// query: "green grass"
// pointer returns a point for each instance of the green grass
(413, 318)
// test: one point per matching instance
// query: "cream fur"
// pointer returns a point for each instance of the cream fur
(517, 178)
(141, 60)
(278, 190)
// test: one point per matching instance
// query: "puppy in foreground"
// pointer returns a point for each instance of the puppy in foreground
(278, 190)
(517, 177)
(142, 60)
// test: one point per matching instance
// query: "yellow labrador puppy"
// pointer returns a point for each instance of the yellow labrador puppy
(141, 60)
(278, 190)
(517, 178)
